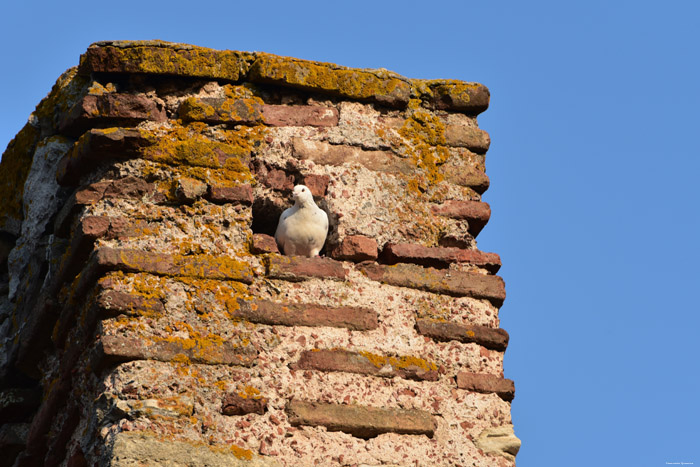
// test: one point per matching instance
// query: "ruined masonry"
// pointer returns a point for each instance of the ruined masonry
(147, 317)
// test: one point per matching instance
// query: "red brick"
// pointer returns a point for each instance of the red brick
(117, 349)
(113, 303)
(300, 115)
(235, 404)
(360, 421)
(485, 383)
(203, 266)
(367, 364)
(468, 176)
(279, 180)
(262, 243)
(111, 109)
(241, 194)
(307, 314)
(456, 96)
(438, 257)
(355, 248)
(317, 184)
(463, 136)
(476, 213)
(491, 338)
(219, 110)
(329, 154)
(299, 268)
(98, 145)
(457, 283)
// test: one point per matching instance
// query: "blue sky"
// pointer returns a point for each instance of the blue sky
(594, 165)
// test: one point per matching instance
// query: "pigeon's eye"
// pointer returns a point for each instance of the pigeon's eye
(303, 189)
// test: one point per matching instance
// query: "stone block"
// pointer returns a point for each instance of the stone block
(360, 421)
(317, 184)
(111, 109)
(469, 137)
(242, 403)
(454, 95)
(329, 154)
(221, 110)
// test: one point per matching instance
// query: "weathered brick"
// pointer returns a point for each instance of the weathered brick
(242, 403)
(485, 383)
(307, 314)
(469, 137)
(111, 109)
(367, 364)
(18, 404)
(355, 248)
(279, 180)
(117, 349)
(477, 213)
(445, 281)
(241, 194)
(438, 257)
(458, 96)
(189, 189)
(328, 154)
(221, 110)
(113, 303)
(262, 243)
(491, 338)
(99, 145)
(466, 176)
(299, 268)
(300, 115)
(359, 421)
(163, 58)
(317, 184)
(379, 86)
(203, 266)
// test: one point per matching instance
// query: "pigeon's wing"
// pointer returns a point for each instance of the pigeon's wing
(281, 232)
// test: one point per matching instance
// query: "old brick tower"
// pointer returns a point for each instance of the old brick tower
(147, 318)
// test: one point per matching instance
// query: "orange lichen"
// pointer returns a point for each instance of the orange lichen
(399, 363)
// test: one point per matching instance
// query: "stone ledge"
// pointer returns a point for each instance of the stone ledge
(331, 154)
(485, 383)
(359, 421)
(439, 256)
(299, 268)
(381, 86)
(216, 110)
(114, 303)
(111, 109)
(491, 338)
(443, 281)
(463, 136)
(476, 213)
(367, 364)
(302, 314)
(111, 350)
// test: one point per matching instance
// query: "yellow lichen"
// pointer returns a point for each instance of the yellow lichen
(399, 363)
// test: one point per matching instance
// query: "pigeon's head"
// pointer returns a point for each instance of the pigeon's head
(302, 195)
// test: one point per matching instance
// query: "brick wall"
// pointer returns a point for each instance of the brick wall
(146, 314)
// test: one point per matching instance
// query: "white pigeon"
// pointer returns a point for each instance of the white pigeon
(302, 229)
